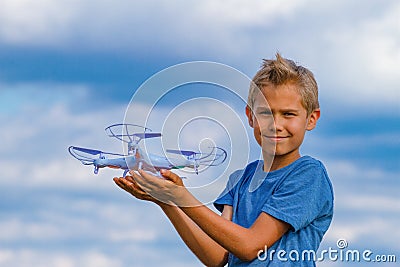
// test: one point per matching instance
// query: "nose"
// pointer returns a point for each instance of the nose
(266, 125)
(277, 125)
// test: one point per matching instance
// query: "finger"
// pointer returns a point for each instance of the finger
(117, 180)
(132, 188)
(138, 180)
(148, 178)
(125, 181)
(130, 179)
(120, 184)
(137, 188)
(132, 172)
(126, 184)
(137, 183)
(173, 177)
(122, 181)
(133, 184)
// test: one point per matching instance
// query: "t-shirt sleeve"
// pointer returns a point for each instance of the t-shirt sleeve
(227, 196)
(303, 196)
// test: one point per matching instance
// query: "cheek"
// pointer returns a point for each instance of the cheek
(257, 135)
(264, 123)
(298, 128)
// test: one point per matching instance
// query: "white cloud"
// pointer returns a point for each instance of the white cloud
(348, 172)
(365, 55)
(35, 156)
(73, 224)
(371, 228)
(92, 23)
(35, 257)
(74, 231)
(12, 230)
(354, 53)
(247, 13)
(120, 223)
(37, 22)
(39, 151)
(366, 206)
(132, 235)
(369, 203)
(131, 256)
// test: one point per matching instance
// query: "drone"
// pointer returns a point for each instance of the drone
(137, 159)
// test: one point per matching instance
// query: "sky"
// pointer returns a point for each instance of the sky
(70, 68)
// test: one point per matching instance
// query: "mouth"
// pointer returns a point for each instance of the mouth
(276, 138)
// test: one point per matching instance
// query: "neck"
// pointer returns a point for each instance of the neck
(276, 162)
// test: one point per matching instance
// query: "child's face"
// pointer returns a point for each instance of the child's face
(280, 125)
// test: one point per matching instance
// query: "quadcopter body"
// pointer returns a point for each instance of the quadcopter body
(136, 159)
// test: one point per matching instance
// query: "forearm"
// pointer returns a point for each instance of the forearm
(226, 233)
(244, 243)
(202, 229)
(206, 249)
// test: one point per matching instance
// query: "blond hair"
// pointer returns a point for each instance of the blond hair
(281, 71)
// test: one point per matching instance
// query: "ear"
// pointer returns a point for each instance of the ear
(249, 114)
(312, 119)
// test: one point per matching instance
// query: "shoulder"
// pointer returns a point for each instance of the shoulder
(308, 161)
(313, 173)
(304, 194)
(307, 172)
(314, 165)
(308, 165)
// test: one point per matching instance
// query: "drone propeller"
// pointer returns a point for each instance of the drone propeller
(126, 132)
(186, 153)
(146, 135)
(73, 151)
(82, 154)
(89, 156)
(215, 157)
(85, 150)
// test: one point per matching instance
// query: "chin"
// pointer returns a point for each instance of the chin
(270, 151)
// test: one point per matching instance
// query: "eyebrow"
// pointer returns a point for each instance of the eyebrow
(289, 110)
(263, 109)
(281, 110)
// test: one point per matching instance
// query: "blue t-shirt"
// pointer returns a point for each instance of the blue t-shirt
(300, 194)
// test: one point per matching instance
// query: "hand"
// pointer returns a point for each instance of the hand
(169, 190)
(129, 185)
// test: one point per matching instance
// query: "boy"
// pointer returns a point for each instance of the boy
(273, 210)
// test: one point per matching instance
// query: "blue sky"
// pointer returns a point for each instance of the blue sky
(68, 69)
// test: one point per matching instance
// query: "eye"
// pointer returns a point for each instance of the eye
(289, 114)
(265, 112)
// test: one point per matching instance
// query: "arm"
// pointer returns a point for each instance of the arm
(207, 250)
(244, 243)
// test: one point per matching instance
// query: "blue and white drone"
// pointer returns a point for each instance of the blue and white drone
(136, 159)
